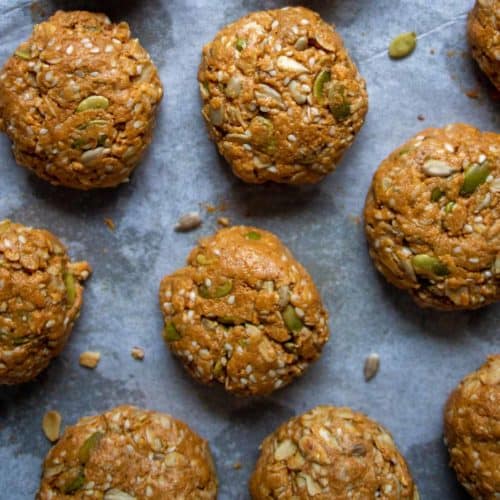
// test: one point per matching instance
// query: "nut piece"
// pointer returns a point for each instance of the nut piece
(330, 453)
(403, 45)
(51, 425)
(243, 312)
(129, 453)
(188, 222)
(90, 359)
(471, 430)
(372, 365)
(137, 353)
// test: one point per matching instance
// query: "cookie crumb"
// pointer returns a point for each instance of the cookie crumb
(421, 118)
(51, 425)
(188, 222)
(223, 221)
(137, 353)
(237, 465)
(472, 94)
(90, 359)
(110, 223)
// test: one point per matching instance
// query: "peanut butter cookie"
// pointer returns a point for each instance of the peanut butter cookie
(243, 312)
(432, 217)
(330, 453)
(78, 101)
(128, 453)
(40, 299)
(282, 99)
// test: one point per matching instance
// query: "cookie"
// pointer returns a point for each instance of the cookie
(432, 217)
(41, 296)
(243, 312)
(472, 430)
(129, 453)
(282, 99)
(331, 452)
(78, 101)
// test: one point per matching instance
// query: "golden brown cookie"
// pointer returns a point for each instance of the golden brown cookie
(432, 217)
(78, 101)
(243, 312)
(331, 453)
(484, 37)
(472, 430)
(282, 99)
(128, 453)
(40, 299)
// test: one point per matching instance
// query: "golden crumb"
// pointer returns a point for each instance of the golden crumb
(137, 353)
(110, 223)
(90, 359)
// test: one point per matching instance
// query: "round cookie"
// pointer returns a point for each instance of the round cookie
(129, 453)
(40, 298)
(432, 217)
(331, 452)
(78, 101)
(484, 37)
(282, 99)
(472, 430)
(243, 312)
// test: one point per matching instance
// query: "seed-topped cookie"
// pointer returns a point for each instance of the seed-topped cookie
(330, 453)
(432, 217)
(41, 295)
(129, 453)
(484, 37)
(243, 312)
(472, 430)
(78, 101)
(282, 99)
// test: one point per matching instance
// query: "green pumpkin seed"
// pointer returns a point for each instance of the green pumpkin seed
(436, 194)
(4, 225)
(290, 347)
(70, 283)
(93, 102)
(240, 44)
(291, 319)
(339, 106)
(92, 123)
(89, 446)
(203, 260)
(227, 320)
(403, 45)
(170, 333)
(217, 368)
(262, 131)
(319, 85)
(74, 484)
(204, 292)
(223, 290)
(449, 207)
(101, 141)
(253, 235)
(23, 54)
(425, 264)
(474, 176)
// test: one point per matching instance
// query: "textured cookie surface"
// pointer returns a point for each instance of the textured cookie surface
(331, 453)
(40, 298)
(432, 217)
(128, 453)
(484, 37)
(78, 100)
(281, 97)
(472, 430)
(243, 312)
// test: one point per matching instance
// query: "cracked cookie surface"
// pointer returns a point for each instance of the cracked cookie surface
(129, 453)
(243, 312)
(432, 217)
(472, 430)
(331, 452)
(78, 101)
(41, 295)
(282, 99)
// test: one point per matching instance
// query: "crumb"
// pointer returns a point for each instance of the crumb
(223, 221)
(432, 52)
(237, 465)
(421, 118)
(137, 353)
(51, 425)
(451, 53)
(109, 222)
(211, 208)
(472, 94)
(355, 219)
(90, 359)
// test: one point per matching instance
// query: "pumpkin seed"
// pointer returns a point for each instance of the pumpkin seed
(23, 54)
(93, 102)
(88, 446)
(51, 425)
(170, 333)
(339, 106)
(403, 45)
(474, 176)
(449, 207)
(372, 364)
(253, 235)
(425, 264)
(436, 194)
(70, 283)
(217, 368)
(223, 290)
(240, 44)
(319, 85)
(74, 484)
(291, 319)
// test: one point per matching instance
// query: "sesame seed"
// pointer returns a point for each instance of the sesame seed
(231, 299)
(95, 50)
(69, 50)
(292, 138)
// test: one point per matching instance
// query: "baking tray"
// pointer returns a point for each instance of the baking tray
(423, 353)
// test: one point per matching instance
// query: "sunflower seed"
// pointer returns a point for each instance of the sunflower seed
(288, 64)
(188, 222)
(438, 168)
(51, 425)
(372, 364)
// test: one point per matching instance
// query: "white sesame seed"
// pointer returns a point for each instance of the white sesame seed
(292, 138)
(231, 299)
